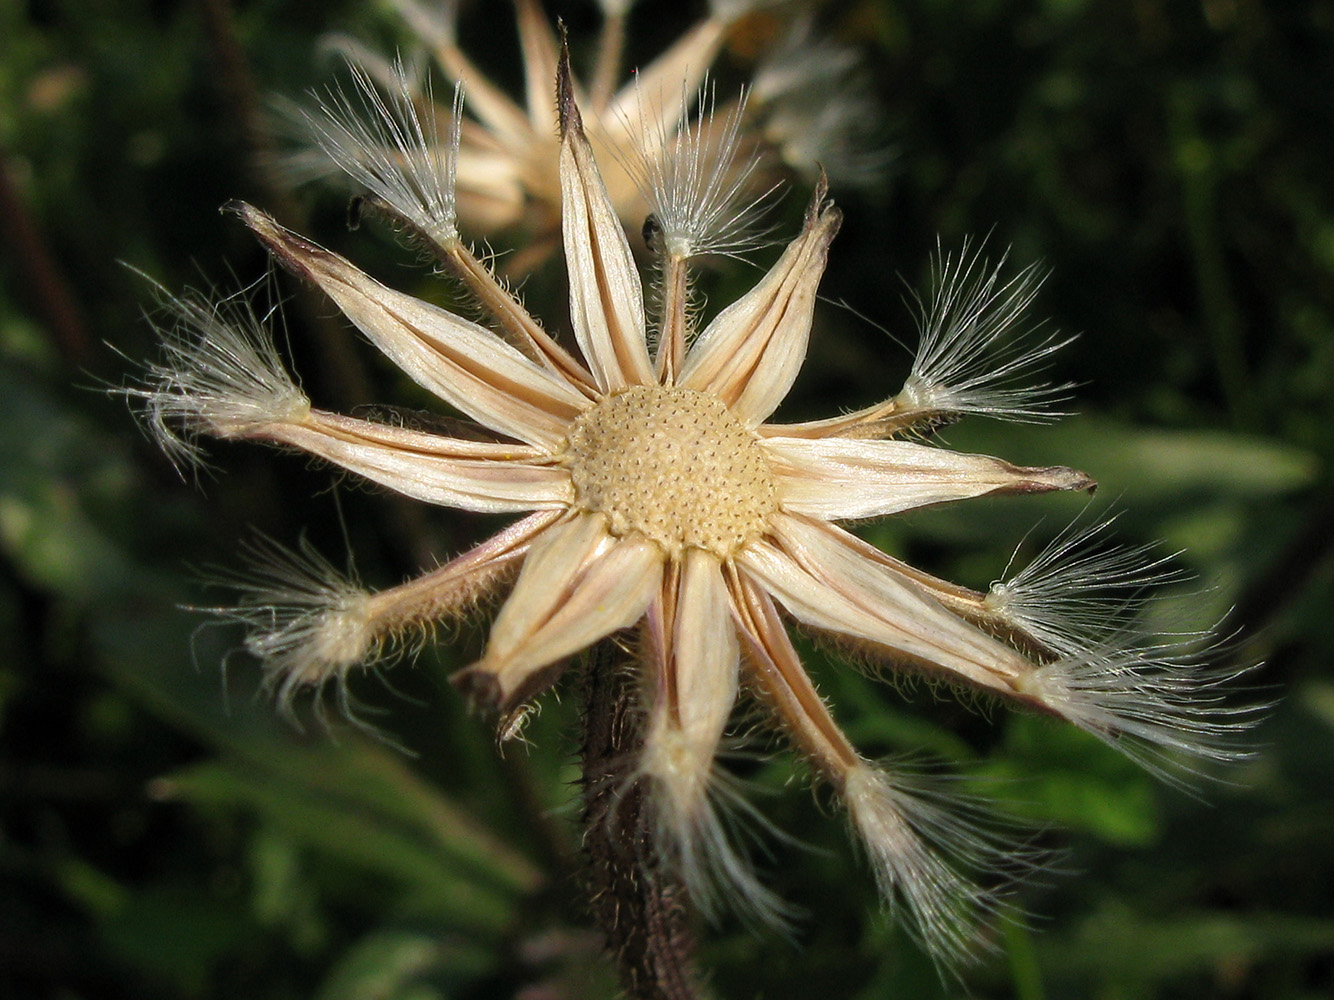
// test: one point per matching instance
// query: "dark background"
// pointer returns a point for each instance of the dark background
(163, 834)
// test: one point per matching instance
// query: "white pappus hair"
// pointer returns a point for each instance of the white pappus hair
(699, 180)
(1166, 704)
(308, 623)
(1158, 698)
(928, 846)
(393, 150)
(219, 373)
(1081, 588)
(977, 352)
(703, 823)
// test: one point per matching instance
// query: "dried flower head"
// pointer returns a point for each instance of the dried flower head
(657, 495)
(814, 104)
(503, 153)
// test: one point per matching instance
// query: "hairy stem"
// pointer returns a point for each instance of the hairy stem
(640, 909)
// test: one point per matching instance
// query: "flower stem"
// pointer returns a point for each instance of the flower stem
(637, 905)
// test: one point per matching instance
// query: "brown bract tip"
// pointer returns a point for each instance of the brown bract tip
(1083, 482)
(820, 208)
(1058, 477)
(292, 251)
(566, 109)
(484, 690)
(479, 687)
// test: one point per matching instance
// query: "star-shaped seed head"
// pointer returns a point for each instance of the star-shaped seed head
(659, 498)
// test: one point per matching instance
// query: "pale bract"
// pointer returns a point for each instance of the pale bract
(660, 498)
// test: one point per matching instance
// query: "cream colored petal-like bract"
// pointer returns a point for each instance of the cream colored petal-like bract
(847, 478)
(691, 699)
(408, 439)
(451, 590)
(750, 354)
(827, 586)
(554, 563)
(921, 852)
(464, 364)
(428, 468)
(962, 601)
(778, 676)
(876, 416)
(705, 654)
(577, 586)
(606, 296)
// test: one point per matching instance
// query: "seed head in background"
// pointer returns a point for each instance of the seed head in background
(659, 500)
(810, 104)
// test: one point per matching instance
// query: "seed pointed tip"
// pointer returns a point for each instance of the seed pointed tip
(261, 223)
(571, 122)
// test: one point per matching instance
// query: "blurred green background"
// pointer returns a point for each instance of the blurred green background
(162, 834)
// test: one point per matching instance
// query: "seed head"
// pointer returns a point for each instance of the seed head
(661, 496)
(672, 465)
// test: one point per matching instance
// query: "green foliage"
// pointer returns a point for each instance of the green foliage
(163, 834)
